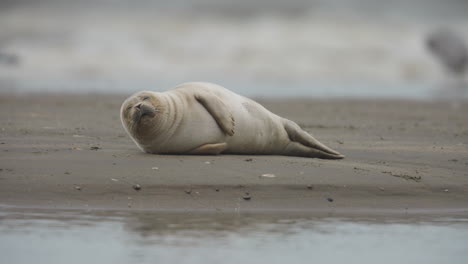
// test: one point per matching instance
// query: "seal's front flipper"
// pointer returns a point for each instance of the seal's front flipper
(209, 149)
(218, 110)
(297, 134)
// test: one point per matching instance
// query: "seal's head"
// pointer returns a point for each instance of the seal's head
(141, 115)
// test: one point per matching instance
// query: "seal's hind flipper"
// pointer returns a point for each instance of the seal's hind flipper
(298, 149)
(218, 110)
(297, 134)
(209, 149)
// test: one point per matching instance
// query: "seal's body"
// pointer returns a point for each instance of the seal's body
(204, 118)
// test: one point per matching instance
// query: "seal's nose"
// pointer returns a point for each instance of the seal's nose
(138, 106)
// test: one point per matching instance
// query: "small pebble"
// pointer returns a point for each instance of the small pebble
(207, 162)
(78, 188)
(188, 191)
(155, 168)
(249, 159)
(330, 199)
(246, 196)
(268, 175)
(137, 187)
(217, 190)
(94, 148)
(310, 187)
(446, 190)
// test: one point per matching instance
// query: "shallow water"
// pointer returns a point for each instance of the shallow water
(148, 237)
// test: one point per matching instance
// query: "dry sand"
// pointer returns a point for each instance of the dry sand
(70, 152)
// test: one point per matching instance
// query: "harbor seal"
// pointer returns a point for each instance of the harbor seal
(207, 119)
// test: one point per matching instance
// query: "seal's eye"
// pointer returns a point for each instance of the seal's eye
(145, 98)
(128, 108)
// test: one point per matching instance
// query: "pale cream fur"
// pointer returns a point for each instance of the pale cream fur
(205, 118)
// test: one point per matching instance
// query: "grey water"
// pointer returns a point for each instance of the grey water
(157, 237)
(299, 48)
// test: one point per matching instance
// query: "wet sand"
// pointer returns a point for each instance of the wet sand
(70, 152)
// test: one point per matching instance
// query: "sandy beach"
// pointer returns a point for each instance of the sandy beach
(61, 151)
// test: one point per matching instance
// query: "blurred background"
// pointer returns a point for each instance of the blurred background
(268, 48)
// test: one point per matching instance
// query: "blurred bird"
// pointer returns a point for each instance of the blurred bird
(450, 49)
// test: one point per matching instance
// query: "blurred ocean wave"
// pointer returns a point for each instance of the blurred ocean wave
(300, 47)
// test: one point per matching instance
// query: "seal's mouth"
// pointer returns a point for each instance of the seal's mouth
(148, 114)
(143, 111)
